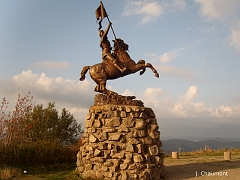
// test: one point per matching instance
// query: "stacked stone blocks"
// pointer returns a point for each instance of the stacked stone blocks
(121, 142)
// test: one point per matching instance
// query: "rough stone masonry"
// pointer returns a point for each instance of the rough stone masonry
(121, 142)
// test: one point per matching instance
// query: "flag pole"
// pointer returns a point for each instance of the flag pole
(114, 36)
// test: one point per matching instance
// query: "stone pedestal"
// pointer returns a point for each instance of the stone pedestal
(121, 142)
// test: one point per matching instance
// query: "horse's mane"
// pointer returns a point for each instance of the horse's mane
(117, 43)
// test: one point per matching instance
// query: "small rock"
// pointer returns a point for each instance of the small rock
(92, 138)
(123, 166)
(114, 136)
(113, 122)
(129, 148)
(153, 150)
(137, 158)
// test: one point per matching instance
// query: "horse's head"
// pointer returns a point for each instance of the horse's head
(120, 44)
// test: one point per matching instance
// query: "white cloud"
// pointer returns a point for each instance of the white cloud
(185, 106)
(40, 82)
(151, 55)
(180, 4)
(171, 71)
(127, 92)
(52, 65)
(226, 111)
(227, 12)
(190, 95)
(151, 94)
(171, 55)
(215, 9)
(199, 107)
(151, 10)
(74, 96)
(110, 88)
(167, 57)
(235, 37)
(211, 30)
(80, 114)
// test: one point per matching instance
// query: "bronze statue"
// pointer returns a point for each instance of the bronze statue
(116, 64)
(106, 48)
(104, 71)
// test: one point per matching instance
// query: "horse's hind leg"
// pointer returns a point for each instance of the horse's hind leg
(84, 71)
(97, 88)
(103, 88)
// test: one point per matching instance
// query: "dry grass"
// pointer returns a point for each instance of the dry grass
(9, 172)
(183, 168)
(208, 152)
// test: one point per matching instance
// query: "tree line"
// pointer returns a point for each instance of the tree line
(32, 134)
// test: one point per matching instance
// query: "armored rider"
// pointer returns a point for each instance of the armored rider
(106, 48)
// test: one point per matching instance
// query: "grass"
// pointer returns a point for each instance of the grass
(50, 172)
(58, 171)
(67, 171)
(209, 152)
(9, 172)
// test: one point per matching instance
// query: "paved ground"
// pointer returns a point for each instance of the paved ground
(203, 167)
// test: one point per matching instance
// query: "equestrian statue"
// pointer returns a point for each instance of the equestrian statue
(114, 64)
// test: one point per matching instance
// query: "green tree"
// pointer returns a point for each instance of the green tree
(33, 134)
(49, 125)
(45, 122)
(68, 128)
(29, 123)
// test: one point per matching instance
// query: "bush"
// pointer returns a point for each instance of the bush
(32, 135)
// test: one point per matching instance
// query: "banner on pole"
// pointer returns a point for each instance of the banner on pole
(100, 14)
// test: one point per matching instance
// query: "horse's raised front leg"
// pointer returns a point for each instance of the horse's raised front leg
(153, 69)
(141, 61)
(133, 67)
(142, 66)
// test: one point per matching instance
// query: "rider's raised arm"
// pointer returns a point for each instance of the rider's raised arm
(107, 29)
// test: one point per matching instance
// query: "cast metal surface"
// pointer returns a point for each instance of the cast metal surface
(106, 70)
(114, 64)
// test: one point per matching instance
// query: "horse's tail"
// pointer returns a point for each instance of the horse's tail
(84, 71)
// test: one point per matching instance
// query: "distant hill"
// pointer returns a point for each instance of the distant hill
(186, 145)
(196, 138)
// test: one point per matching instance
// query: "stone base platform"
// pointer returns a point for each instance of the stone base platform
(121, 142)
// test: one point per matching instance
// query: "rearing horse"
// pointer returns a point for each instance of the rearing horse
(104, 71)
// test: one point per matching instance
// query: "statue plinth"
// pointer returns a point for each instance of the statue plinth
(121, 142)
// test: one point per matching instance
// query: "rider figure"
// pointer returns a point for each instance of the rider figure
(106, 48)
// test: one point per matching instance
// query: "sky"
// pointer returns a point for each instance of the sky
(194, 45)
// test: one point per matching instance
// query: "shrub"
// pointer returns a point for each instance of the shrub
(36, 135)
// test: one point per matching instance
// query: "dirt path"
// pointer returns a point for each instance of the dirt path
(201, 168)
